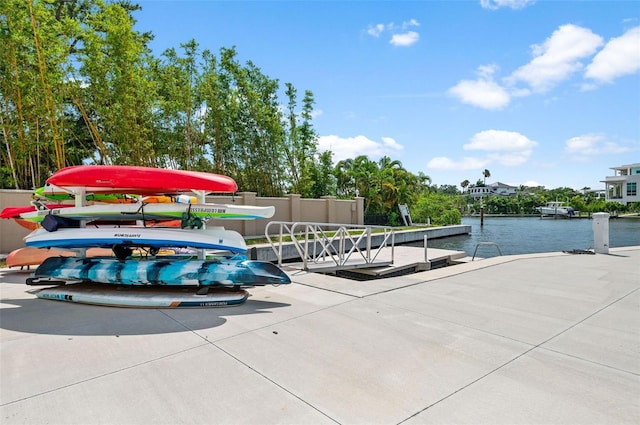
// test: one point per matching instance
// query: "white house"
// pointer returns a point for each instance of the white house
(496, 188)
(623, 186)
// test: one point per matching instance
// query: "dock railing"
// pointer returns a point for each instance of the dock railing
(331, 246)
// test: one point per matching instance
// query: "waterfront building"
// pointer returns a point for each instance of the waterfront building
(623, 186)
(496, 188)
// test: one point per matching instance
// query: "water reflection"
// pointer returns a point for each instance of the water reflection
(525, 235)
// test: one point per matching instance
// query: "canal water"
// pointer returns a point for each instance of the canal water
(526, 235)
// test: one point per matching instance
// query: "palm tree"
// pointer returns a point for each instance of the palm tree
(424, 181)
(486, 173)
(388, 172)
(365, 178)
(465, 183)
(344, 173)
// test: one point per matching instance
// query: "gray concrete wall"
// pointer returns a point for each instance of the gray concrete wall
(11, 233)
(289, 208)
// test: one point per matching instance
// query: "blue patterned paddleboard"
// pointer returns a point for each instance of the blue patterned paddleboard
(171, 271)
(143, 297)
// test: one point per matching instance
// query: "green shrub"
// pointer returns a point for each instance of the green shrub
(441, 209)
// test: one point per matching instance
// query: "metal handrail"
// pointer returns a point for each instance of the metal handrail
(316, 243)
(485, 243)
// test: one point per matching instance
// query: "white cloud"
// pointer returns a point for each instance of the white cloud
(513, 4)
(481, 93)
(557, 58)
(407, 39)
(499, 140)
(506, 148)
(410, 23)
(620, 56)
(400, 37)
(316, 113)
(392, 144)
(444, 163)
(351, 147)
(581, 148)
(510, 159)
(531, 183)
(375, 30)
(487, 71)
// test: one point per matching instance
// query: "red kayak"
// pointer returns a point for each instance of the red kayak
(14, 212)
(138, 180)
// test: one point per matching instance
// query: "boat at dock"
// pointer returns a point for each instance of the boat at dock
(556, 209)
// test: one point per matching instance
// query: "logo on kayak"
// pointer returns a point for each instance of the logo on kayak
(126, 235)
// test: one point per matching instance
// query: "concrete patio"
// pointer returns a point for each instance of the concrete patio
(544, 338)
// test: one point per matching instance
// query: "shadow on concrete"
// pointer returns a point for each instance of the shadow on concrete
(16, 274)
(51, 317)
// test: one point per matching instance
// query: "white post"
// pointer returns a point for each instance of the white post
(600, 226)
(426, 256)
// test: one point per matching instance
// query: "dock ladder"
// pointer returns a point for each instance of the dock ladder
(485, 243)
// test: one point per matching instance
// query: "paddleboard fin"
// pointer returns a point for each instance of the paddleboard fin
(44, 281)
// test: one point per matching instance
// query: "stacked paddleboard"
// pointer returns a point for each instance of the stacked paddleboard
(136, 209)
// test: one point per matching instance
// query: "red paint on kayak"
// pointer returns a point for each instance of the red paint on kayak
(14, 212)
(140, 180)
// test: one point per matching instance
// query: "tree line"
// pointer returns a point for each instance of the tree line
(79, 84)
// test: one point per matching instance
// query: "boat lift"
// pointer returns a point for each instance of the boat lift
(326, 247)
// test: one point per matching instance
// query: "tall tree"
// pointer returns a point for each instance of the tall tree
(345, 178)
(243, 124)
(486, 173)
(119, 88)
(181, 107)
(79, 84)
(34, 51)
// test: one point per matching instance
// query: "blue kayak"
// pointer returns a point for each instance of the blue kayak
(170, 271)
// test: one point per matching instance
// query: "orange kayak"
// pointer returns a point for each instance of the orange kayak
(29, 256)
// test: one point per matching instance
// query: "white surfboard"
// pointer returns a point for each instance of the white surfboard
(153, 237)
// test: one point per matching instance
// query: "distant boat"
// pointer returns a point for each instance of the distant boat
(555, 208)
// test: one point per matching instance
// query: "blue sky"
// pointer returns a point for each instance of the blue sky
(537, 92)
